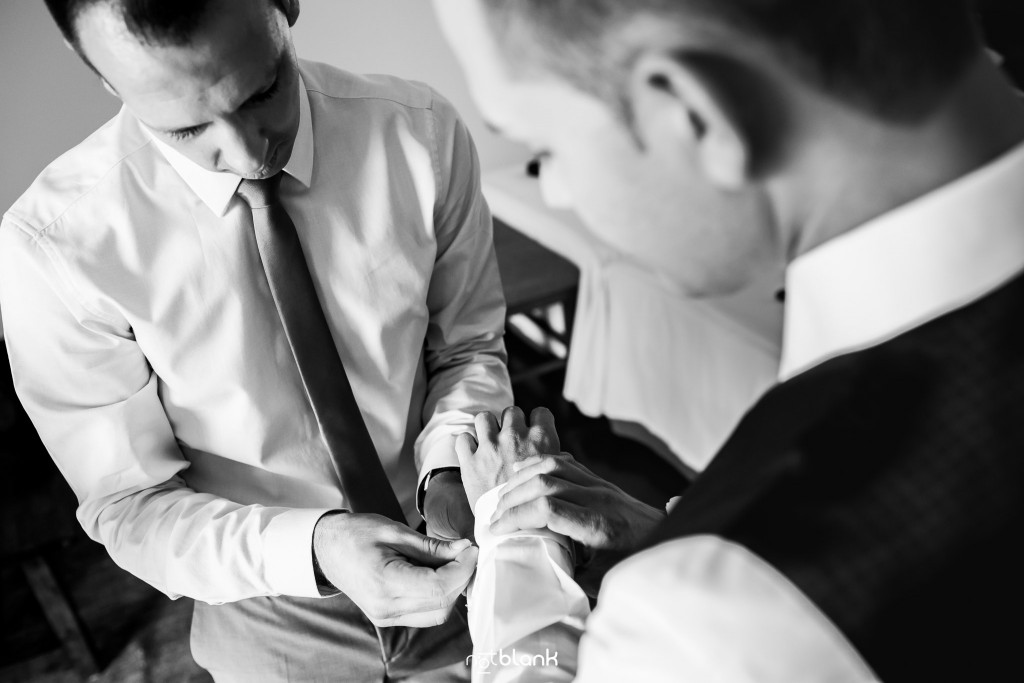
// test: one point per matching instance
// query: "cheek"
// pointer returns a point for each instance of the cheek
(280, 117)
(201, 152)
(619, 198)
(591, 179)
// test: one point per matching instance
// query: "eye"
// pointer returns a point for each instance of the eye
(264, 96)
(184, 133)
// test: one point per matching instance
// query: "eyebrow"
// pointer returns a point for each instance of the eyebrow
(273, 74)
(493, 127)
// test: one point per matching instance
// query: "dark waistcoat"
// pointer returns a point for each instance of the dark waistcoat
(888, 486)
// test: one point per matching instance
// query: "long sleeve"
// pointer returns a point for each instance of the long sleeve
(465, 352)
(96, 403)
(701, 609)
(526, 613)
(696, 609)
(148, 351)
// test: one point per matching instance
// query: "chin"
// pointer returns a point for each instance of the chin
(274, 164)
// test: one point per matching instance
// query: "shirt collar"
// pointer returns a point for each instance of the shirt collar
(216, 189)
(912, 265)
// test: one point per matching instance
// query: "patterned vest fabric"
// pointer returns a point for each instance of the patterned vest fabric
(888, 485)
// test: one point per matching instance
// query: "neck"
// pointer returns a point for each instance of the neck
(858, 168)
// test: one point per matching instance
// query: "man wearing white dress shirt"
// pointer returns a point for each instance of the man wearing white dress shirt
(863, 520)
(151, 348)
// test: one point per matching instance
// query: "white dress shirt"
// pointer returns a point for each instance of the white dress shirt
(704, 609)
(147, 349)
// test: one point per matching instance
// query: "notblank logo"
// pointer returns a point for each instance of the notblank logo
(484, 661)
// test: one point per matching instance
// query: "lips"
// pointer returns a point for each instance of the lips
(269, 166)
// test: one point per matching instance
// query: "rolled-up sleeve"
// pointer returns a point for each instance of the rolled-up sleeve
(465, 352)
(95, 402)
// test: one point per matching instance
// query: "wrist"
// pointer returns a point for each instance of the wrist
(439, 478)
(321, 538)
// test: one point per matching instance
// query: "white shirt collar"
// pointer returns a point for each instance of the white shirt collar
(914, 264)
(217, 188)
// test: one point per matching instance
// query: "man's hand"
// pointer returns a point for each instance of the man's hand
(446, 508)
(556, 492)
(489, 463)
(395, 575)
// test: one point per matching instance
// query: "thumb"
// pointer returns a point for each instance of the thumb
(465, 446)
(456, 575)
(432, 552)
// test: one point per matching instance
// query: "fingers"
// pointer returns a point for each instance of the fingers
(456, 575)
(562, 467)
(534, 459)
(513, 418)
(417, 620)
(432, 552)
(429, 593)
(486, 427)
(528, 462)
(542, 430)
(465, 447)
(560, 516)
(537, 487)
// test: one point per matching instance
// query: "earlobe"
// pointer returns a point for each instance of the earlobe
(676, 101)
(290, 9)
(724, 159)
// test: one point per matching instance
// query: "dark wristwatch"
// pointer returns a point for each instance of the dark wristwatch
(421, 492)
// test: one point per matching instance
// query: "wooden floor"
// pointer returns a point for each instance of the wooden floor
(143, 636)
(140, 635)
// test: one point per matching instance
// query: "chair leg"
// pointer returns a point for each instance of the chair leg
(61, 615)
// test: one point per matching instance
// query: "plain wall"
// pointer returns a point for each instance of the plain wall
(399, 37)
(51, 101)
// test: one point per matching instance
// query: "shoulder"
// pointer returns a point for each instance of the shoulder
(95, 173)
(702, 603)
(331, 83)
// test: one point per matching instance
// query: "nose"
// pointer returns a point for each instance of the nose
(553, 187)
(243, 148)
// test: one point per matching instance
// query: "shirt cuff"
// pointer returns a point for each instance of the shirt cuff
(288, 554)
(484, 510)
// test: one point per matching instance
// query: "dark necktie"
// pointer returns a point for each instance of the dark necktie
(352, 451)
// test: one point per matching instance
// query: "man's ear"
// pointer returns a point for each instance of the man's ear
(680, 103)
(290, 9)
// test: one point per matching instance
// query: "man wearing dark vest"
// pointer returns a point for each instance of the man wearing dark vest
(262, 295)
(863, 522)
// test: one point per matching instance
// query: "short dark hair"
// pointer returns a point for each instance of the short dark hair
(152, 21)
(890, 57)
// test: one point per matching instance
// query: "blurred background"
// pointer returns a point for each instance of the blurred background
(67, 613)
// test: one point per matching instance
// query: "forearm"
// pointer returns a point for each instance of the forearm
(205, 547)
(98, 406)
